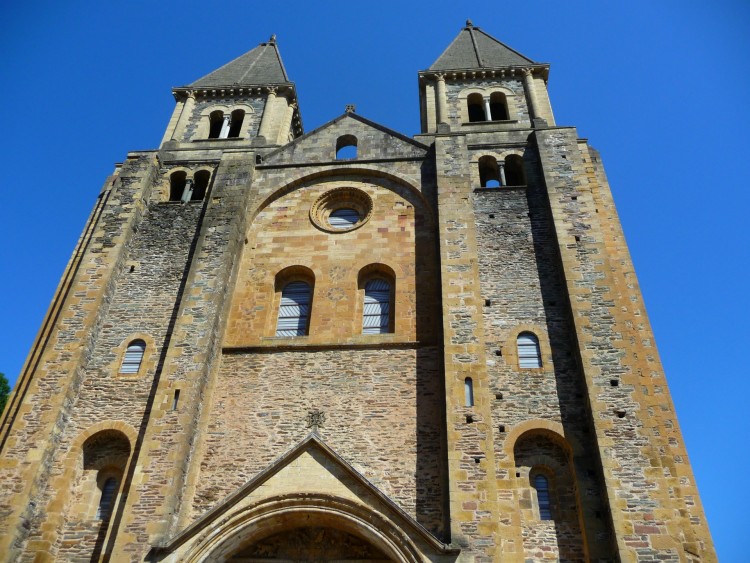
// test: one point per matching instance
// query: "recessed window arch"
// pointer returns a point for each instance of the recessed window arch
(346, 147)
(498, 106)
(475, 104)
(529, 354)
(216, 124)
(235, 123)
(200, 185)
(131, 361)
(540, 482)
(377, 284)
(177, 181)
(514, 170)
(489, 172)
(468, 392)
(106, 499)
(294, 287)
(376, 315)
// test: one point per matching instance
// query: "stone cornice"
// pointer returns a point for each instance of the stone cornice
(480, 73)
(286, 89)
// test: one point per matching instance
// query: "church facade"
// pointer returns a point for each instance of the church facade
(350, 344)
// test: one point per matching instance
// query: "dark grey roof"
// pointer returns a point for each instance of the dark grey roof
(261, 65)
(473, 48)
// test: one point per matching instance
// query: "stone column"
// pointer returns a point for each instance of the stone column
(224, 133)
(501, 166)
(487, 110)
(266, 120)
(528, 85)
(187, 111)
(187, 193)
(442, 106)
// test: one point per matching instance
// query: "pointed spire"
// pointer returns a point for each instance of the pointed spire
(473, 48)
(261, 65)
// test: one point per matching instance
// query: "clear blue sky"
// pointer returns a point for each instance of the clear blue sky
(660, 88)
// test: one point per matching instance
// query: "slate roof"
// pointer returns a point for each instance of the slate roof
(473, 48)
(261, 65)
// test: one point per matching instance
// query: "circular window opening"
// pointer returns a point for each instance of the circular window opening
(344, 218)
(341, 210)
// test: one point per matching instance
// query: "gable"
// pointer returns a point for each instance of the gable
(309, 480)
(374, 142)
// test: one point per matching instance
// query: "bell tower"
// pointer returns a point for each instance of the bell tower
(249, 100)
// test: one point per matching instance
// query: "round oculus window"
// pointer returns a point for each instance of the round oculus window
(341, 210)
(343, 218)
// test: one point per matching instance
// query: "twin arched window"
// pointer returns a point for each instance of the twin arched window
(492, 108)
(225, 126)
(529, 355)
(131, 362)
(295, 305)
(182, 188)
(507, 172)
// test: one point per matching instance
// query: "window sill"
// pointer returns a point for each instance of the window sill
(495, 121)
(230, 139)
(500, 188)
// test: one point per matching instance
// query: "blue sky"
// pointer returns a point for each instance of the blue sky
(660, 88)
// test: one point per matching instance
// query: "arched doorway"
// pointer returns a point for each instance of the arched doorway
(305, 528)
(310, 543)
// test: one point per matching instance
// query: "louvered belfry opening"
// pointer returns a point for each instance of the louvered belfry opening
(294, 309)
(529, 355)
(377, 314)
(131, 363)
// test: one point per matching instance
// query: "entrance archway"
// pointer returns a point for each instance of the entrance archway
(306, 528)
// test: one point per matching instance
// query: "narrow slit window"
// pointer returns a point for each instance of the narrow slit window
(529, 355)
(105, 501)
(541, 484)
(294, 310)
(469, 392)
(131, 363)
(377, 314)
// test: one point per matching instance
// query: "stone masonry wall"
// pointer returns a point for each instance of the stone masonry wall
(382, 410)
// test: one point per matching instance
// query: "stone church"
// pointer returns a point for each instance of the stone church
(350, 344)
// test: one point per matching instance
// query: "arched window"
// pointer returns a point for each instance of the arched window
(468, 392)
(476, 108)
(376, 315)
(200, 185)
(346, 147)
(489, 172)
(529, 355)
(216, 124)
(177, 185)
(131, 363)
(235, 127)
(498, 106)
(541, 484)
(294, 309)
(514, 173)
(109, 488)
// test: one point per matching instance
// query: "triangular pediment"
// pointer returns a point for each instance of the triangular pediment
(310, 470)
(374, 142)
